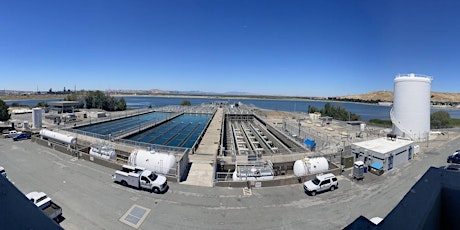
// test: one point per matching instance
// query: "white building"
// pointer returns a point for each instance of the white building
(388, 152)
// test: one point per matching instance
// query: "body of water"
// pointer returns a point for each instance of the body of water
(366, 111)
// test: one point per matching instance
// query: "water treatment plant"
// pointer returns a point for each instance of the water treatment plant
(243, 143)
(223, 144)
(234, 148)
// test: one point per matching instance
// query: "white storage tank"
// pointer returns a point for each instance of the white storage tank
(37, 118)
(103, 151)
(411, 109)
(161, 163)
(362, 127)
(308, 166)
(48, 134)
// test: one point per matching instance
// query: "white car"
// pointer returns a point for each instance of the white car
(321, 183)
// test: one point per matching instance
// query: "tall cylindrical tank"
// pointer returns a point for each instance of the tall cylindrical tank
(37, 118)
(48, 134)
(411, 106)
(308, 166)
(158, 162)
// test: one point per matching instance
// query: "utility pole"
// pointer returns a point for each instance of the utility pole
(341, 159)
(299, 129)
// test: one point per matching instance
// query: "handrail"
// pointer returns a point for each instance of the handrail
(398, 125)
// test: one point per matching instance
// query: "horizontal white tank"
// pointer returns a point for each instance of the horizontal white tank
(161, 163)
(45, 133)
(308, 166)
(237, 177)
(21, 111)
(253, 172)
(103, 151)
(412, 106)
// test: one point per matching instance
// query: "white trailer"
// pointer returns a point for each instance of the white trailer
(138, 177)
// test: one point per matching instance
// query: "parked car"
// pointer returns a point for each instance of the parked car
(321, 183)
(22, 136)
(11, 134)
(454, 158)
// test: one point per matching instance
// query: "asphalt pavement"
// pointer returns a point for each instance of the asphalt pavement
(90, 200)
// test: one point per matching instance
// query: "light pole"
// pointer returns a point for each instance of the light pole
(299, 129)
(341, 157)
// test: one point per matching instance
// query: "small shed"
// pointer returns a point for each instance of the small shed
(386, 152)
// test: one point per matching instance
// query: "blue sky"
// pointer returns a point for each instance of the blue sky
(293, 48)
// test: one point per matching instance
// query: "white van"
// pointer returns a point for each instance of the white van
(321, 183)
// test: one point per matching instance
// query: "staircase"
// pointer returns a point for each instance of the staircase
(399, 126)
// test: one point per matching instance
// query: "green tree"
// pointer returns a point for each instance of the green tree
(381, 123)
(121, 104)
(338, 113)
(109, 104)
(312, 109)
(97, 99)
(4, 115)
(42, 104)
(440, 119)
(71, 97)
(76, 97)
(186, 103)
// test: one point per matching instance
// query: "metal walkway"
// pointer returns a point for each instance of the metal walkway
(202, 170)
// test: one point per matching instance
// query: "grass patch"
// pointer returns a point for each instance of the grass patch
(380, 123)
(454, 122)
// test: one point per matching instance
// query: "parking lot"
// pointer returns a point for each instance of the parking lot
(90, 200)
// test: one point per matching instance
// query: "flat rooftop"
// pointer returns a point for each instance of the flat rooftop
(63, 103)
(383, 145)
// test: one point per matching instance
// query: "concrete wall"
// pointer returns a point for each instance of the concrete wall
(400, 156)
(83, 155)
(182, 167)
(109, 164)
(281, 181)
(64, 149)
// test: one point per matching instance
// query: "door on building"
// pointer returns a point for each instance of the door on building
(410, 153)
(390, 162)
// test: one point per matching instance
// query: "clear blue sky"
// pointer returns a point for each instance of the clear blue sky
(295, 48)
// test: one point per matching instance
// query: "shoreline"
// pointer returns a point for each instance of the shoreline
(217, 97)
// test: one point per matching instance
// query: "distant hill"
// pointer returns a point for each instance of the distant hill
(388, 96)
